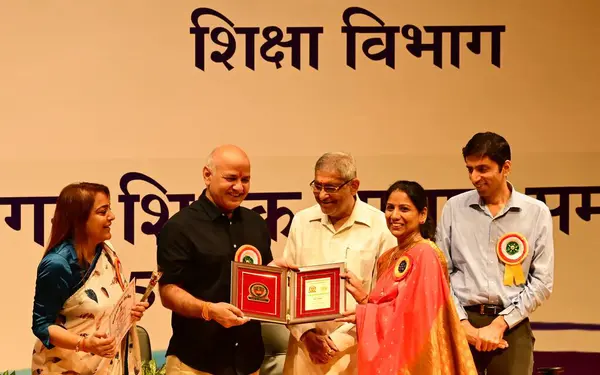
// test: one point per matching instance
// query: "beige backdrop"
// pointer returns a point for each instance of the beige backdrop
(93, 90)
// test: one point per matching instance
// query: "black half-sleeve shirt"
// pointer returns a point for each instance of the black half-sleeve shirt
(195, 250)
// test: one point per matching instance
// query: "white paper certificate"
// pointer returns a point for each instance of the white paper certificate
(120, 317)
(317, 294)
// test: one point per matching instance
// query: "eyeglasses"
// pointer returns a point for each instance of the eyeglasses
(329, 189)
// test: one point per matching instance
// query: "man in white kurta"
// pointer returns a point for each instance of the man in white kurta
(339, 228)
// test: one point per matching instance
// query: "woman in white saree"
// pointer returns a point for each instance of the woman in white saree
(79, 281)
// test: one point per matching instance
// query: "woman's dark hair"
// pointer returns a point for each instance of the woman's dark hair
(418, 196)
(488, 144)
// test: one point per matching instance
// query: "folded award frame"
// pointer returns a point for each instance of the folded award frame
(278, 295)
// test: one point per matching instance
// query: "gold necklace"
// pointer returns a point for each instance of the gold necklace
(396, 254)
(399, 252)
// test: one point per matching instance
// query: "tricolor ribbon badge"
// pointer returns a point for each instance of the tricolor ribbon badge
(512, 250)
(248, 254)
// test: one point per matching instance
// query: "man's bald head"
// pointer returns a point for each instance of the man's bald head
(226, 154)
(227, 177)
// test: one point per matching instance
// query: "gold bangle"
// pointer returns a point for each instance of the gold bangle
(363, 300)
(78, 345)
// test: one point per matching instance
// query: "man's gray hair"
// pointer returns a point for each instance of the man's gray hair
(210, 161)
(340, 162)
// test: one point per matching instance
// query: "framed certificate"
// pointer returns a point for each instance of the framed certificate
(278, 295)
(259, 291)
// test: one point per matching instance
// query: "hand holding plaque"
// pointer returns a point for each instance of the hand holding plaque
(279, 295)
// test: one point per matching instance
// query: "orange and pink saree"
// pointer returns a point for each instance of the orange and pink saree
(410, 325)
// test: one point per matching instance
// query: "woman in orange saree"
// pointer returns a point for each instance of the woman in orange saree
(408, 323)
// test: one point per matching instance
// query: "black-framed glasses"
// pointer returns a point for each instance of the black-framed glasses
(329, 189)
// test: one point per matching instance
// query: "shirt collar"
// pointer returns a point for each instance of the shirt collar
(360, 214)
(514, 201)
(212, 210)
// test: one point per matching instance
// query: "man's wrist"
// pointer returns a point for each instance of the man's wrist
(470, 330)
(501, 322)
(206, 312)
